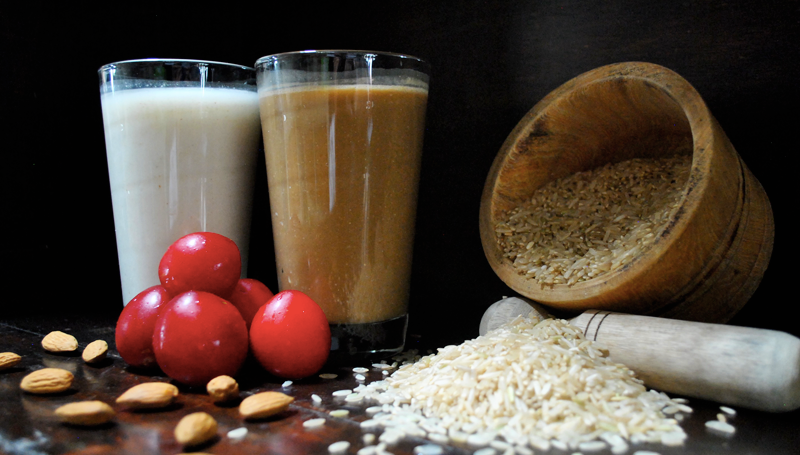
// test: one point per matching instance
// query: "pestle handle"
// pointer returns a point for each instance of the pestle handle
(752, 368)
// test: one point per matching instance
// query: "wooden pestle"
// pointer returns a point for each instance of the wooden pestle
(752, 368)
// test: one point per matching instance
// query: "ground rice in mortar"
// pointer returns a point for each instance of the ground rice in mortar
(579, 227)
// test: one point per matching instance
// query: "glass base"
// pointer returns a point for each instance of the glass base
(353, 344)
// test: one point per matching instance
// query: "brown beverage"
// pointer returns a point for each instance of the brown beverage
(343, 165)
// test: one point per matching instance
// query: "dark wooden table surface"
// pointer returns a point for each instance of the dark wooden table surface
(28, 424)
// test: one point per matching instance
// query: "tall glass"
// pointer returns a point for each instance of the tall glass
(182, 142)
(343, 141)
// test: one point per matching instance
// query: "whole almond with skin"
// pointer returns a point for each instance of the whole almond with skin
(59, 342)
(95, 351)
(47, 380)
(223, 388)
(8, 360)
(264, 404)
(87, 413)
(148, 395)
(195, 429)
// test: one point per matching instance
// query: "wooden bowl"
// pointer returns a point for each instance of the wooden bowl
(710, 259)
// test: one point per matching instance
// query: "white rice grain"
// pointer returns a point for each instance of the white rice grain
(314, 423)
(721, 427)
(339, 447)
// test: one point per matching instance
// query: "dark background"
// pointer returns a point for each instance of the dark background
(492, 61)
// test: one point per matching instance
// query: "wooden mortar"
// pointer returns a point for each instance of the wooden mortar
(712, 256)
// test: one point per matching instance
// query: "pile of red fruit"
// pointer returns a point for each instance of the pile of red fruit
(199, 323)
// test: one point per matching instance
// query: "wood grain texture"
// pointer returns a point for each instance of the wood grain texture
(737, 366)
(29, 426)
(714, 251)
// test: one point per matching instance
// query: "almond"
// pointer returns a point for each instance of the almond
(195, 429)
(47, 380)
(85, 413)
(148, 395)
(223, 388)
(8, 360)
(264, 404)
(59, 342)
(95, 351)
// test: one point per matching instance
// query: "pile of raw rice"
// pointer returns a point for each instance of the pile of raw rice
(590, 223)
(527, 385)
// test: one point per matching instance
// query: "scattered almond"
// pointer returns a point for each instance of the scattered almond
(59, 342)
(95, 351)
(148, 395)
(8, 360)
(47, 380)
(87, 413)
(223, 388)
(195, 429)
(264, 404)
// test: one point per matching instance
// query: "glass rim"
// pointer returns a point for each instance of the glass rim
(177, 60)
(273, 57)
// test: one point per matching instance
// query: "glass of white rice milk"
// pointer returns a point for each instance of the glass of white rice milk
(182, 140)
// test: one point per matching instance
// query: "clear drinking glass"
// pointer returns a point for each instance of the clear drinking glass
(343, 140)
(182, 142)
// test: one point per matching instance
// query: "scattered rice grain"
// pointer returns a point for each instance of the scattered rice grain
(314, 423)
(339, 447)
(480, 439)
(591, 446)
(720, 427)
(238, 433)
(428, 449)
(673, 439)
(354, 398)
(391, 437)
(438, 438)
(729, 411)
(367, 424)
(339, 413)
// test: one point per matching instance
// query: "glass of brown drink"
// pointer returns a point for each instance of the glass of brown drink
(343, 139)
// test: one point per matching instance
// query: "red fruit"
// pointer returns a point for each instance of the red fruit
(202, 261)
(199, 336)
(290, 336)
(134, 333)
(248, 297)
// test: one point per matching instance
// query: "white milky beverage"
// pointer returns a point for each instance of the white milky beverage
(180, 160)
